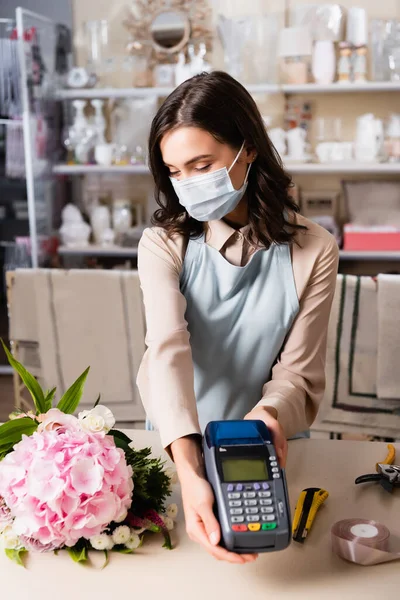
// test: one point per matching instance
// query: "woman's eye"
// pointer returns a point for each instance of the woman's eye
(203, 168)
(173, 173)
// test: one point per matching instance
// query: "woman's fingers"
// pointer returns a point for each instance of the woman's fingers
(263, 414)
(197, 533)
(210, 523)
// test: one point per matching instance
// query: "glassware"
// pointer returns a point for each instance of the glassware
(96, 36)
(138, 157)
(385, 44)
(378, 37)
(235, 34)
(328, 129)
(260, 53)
(122, 217)
(394, 64)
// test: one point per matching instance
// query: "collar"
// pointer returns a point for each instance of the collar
(219, 232)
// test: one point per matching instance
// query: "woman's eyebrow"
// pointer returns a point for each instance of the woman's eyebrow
(193, 160)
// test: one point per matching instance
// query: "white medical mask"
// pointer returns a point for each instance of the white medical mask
(211, 196)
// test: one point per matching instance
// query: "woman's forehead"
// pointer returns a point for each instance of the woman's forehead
(185, 142)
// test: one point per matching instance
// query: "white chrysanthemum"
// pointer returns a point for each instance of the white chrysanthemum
(100, 418)
(172, 511)
(9, 539)
(133, 542)
(172, 474)
(121, 535)
(102, 542)
(169, 524)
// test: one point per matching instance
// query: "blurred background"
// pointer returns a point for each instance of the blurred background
(80, 83)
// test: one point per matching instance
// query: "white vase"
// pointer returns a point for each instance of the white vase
(324, 62)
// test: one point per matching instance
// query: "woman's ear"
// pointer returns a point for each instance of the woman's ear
(251, 154)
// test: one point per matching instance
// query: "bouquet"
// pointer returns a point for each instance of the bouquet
(76, 483)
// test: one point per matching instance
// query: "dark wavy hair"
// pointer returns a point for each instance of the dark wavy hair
(220, 105)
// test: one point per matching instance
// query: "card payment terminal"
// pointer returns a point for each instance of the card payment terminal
(251, 499)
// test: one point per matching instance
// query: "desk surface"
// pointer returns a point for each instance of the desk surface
(309, 571)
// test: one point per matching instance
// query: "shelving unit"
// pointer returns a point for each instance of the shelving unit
(93, 250)
(102, 93)
(368, 255)
(85, 169)
(294, 168)
(340, 168)
(261, 88)
(341, 88)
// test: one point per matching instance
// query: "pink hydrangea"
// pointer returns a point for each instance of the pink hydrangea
(5, 515)
(63, 485)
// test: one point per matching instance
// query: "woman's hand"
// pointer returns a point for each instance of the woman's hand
(268, 415)
(201, 525)
(198, 500)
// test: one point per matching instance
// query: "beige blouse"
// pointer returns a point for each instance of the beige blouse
(166, 375)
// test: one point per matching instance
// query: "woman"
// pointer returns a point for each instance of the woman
(237, 287)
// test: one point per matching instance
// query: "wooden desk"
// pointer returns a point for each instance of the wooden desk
(188, 573)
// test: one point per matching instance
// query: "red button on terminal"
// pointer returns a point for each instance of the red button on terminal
(239, 527)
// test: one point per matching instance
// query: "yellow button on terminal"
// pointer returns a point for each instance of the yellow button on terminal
(254, 526)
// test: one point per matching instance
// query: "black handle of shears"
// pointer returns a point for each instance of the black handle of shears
(366, 478)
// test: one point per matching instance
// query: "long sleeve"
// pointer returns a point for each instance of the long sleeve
(298, 378)
(166, 375)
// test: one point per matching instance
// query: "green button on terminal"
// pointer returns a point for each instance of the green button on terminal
(268, 526)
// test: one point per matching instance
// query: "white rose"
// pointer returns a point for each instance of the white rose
(169, 524)
(102, 542)
(134, 541)
(121, 534)
(172, 474)
(9, 539)
(172, 511)
(98, 419)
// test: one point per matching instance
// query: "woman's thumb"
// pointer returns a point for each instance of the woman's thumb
(211, 525)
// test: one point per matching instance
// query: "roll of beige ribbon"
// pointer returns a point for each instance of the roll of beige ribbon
(363, 542)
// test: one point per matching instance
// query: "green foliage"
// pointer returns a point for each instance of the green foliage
(70, 400)
(16, 556)
(30, 382)
(79, 552)
(152, 485)
(11, 433)
(50, 397)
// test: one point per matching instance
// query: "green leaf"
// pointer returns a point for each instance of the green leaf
(30, 382)
(16, 556)
(78, 554)
(121, 440)
(12, 431)
(107, 560)
(49, 398)
(123, 550)
(167, 540)
(97, 401)
(153, 528)
(70, 400)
